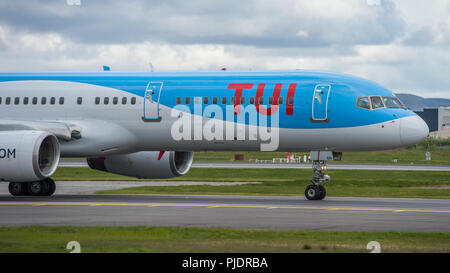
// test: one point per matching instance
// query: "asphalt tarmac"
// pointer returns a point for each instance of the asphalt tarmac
(273, 212)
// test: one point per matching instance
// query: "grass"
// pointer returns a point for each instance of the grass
(357, 183)
(87, 174)
(200, 240)
(293, 182)
(402, 156)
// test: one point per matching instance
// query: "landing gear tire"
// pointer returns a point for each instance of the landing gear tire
(51, 186)
(312, 192)
(323, 192)
(38, 188)
(18, 188)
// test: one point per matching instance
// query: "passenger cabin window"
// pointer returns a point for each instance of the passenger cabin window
(205, 100)
(61, 100)
(363, 102)
(224, 100)
(261, 100)
(34, 100)
(16, 100)
(280, 100)
(214, 100)
(52, 100)
(178, 101)
(242, 100)
(392, 102)
(270, 100)
(25, 100)
(0, 100)
(115, 100)
(106, 100)
(133, 100)
(187, 100)
(79, 100)
(376, 102)
(8, 100)
(251, 100)
(233, 100)
(97, 100)
(291, 100)
(124, 100)
(43, 100)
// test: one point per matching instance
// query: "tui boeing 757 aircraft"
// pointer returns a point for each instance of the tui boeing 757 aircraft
(149, 124)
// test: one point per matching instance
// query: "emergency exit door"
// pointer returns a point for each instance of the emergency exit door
(320, 103)
(151, 101)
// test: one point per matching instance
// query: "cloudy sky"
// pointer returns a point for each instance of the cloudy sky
(401, 44)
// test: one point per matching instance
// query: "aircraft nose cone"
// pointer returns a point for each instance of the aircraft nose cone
(413, 130)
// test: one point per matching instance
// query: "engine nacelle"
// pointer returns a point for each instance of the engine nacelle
(28, 155)
(145, 164)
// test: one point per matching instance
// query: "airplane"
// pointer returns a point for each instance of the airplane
(149, 124)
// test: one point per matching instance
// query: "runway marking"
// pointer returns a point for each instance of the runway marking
(150, 205)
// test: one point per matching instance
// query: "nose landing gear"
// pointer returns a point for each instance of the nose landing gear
(317, 191)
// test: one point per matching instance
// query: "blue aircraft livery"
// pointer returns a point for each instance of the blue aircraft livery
(148, 124)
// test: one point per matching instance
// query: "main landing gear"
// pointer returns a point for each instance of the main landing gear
(44, 187)
(316, 191)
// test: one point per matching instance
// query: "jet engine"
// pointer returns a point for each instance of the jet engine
(150, 165)
(28, 155)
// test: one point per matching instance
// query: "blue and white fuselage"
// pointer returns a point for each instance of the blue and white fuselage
(129, 112)
(124, 123)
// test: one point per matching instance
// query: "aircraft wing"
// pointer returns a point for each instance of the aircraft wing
(62, 130)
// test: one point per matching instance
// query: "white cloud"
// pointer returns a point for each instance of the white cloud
(373, 2)
(403, 45)
(302, 33)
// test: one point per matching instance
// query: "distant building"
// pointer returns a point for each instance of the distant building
(437, 119)
(431, 117)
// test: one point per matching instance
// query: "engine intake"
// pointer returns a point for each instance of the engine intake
(145, 164)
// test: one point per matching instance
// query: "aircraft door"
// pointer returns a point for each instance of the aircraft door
(320, 103)
(151, 101)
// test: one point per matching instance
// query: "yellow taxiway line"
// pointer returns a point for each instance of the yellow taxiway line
(90, 204)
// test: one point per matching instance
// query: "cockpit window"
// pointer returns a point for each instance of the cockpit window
(392, 102)
(363, 102)
(376, 102)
